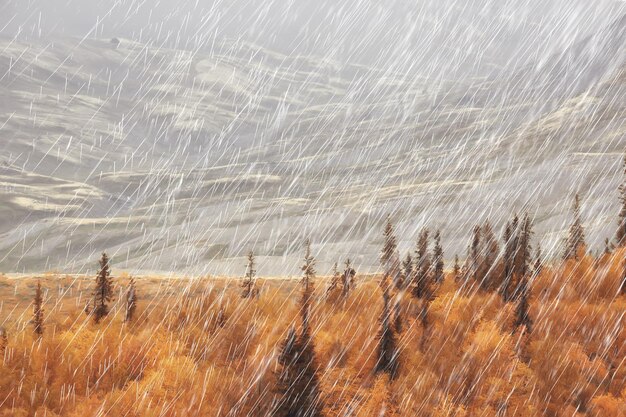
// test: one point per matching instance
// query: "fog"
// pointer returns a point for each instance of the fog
(459, 37)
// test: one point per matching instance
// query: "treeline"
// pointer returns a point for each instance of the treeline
(442, 339)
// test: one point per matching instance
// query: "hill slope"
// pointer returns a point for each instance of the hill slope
(185, 160)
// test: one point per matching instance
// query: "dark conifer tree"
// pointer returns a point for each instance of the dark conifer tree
(524, 248)
(334, 280)
(522, 317)
(421, 287)
(475, 254)
(457, 268)
(575, 243)
(288, 399)
(538, 260)
(38, 312)
(407, 270)
(288, 347)
(298, 382)
(620, 235)
(131, 301)
(389, 255)
(307, 289)
(509, 239)
(523, 255)
(517, 258)
(103, 293)
(248, 284)
(397, 317)
(308, 268)
(438, 274)
(466, 268)
(387, 353)
(488, 255)
(348, 278)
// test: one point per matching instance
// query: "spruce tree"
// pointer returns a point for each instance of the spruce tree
(298, 382)
(475, 254)
(397, 317)
(575, 242)
(305, 303)
(620, 235)
(248, 284)
(421, 287)
(509, 254)
(308, 275)
(466, 267)
(131, 301)
(387, 354)
(334, 280)
(457, 268)
(308, 267)
(38, 312)
(407, 270)
(348, 277)
(522, 316)
(289, 400)
(389, 255)
(523, 255)
(538, 260)
(517, 258)
(103, 293)
(524, 248)
(438, 274)
(488, 256)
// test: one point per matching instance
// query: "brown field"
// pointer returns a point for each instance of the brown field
(196, 348)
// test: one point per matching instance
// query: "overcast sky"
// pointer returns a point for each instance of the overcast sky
(396, 34)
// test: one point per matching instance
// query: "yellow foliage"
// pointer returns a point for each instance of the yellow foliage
(198, 349)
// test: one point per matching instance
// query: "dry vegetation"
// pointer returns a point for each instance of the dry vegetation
(197, 348)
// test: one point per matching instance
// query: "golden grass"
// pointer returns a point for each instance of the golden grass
(178, 359)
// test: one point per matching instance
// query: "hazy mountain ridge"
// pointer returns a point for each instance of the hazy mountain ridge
(180, 159)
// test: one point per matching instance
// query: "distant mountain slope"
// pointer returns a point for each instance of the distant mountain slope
(180, 160)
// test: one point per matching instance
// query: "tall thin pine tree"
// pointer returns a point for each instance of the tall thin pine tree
(438, 273)
(389, 256)
(407, 266)
(103, 293)
(522, 316)
(38, 311)
(248, 284)
(387, 353)
(348, 277)
(131, 301)
(575, 244)
(475, 254)
(298, 382)
(421, 287)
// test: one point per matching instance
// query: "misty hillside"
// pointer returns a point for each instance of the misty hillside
(184, 159)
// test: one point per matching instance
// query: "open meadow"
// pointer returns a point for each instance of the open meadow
(196, 347)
